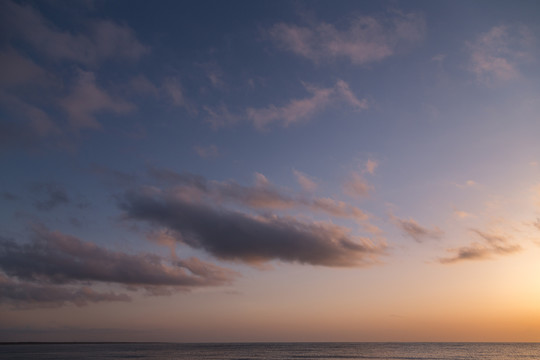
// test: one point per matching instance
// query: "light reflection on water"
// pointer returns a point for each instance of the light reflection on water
(275, 351)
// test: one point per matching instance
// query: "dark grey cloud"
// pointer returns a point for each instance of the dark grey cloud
(537, 224)
(419, 233)
(49, 195)
(22, 295)
(9, 196)
(113, 177)
(236, 236)
(58, 258)
(19, 135)
(172, 178)
(491, 245)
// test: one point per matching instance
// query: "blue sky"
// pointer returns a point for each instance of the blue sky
(183, 157)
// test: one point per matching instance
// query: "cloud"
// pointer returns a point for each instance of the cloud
(49, 196)
(27, 124)
(24, 295)
(414, 230)
(220, 116)
(467, 184)
(237, 236)
(536, 194)
(9, 196)
(356, 186)
(366, 39)
(101, 40)
(305, 181)
(537, 224)
(205, 152)
(54, 257)
(113, 177)
(169, 90)
(371, 165)
(295, 111)
(87, 99)
(214, 74)
(173, 89)
(493, 245)
(301, 109)
(497, 54)
(142, 85)
(16, 70)
(462, 214)
(263, 195)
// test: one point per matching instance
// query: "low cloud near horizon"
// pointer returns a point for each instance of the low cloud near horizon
(491, 245)
(55, 268)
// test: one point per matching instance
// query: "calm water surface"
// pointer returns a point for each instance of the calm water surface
(274, 351)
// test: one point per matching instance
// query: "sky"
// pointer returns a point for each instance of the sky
(208, 171)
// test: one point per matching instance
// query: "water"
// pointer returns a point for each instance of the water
(274, 351)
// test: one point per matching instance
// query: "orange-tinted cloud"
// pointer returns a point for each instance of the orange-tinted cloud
(419, 233)
(492, 245)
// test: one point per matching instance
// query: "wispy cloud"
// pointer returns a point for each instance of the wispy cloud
(112, 176)
(498, 53)
(462, 214)
(295, 111)
(466, 184)
(29, 123)
(305, 181)
(173, 89)
(54, 258)
(366, 39)
(413, 229)
(25, 295)
(302, 109)
(220, 116)
(142, 85)
(262, 195)
(49, 195)
(101, 40)
(214, 74)
(206, 152)
(87, 99)
(371, 165)
(236, 236)
(9, 196)
(491, 245)
(357, 186)
(16, 70)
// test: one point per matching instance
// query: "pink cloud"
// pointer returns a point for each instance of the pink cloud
(102, 39)
(366, 39)
(497, 54)
(87, 99)
(357, 186)
(493, 244)
(305, 181)
(301, 109)
(371, 165)
(210, 151)
(220, 116)
(416, 231)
